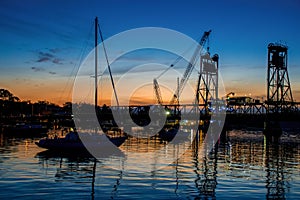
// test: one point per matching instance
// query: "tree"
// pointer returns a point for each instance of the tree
(8, 96)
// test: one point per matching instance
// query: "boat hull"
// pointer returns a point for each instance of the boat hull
(62, 144)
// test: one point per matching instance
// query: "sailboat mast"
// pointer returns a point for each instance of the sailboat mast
(109, 69)
(96, 62)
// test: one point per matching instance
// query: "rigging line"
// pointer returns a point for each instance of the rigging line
(108, 66)
(203, 52)
(179, 58)
(80, 58)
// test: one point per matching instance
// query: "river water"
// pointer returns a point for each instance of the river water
(244, 166)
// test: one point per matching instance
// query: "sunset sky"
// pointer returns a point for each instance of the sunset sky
(43, 42)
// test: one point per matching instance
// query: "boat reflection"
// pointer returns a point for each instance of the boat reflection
(251, 163)
(77, 169)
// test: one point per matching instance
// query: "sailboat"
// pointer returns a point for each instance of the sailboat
(72, 142)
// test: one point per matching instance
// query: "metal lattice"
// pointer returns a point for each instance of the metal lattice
(207, 88)
(279, 94)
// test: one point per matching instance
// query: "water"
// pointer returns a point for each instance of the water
(243, 167)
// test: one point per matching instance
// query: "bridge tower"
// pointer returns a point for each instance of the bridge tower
(279, 93)
(207, 87)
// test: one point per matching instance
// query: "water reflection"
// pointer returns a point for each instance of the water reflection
(68, 167)
(274, 183)
(77, 169)
(279, 162)
(205, 169)
(11, 145)
(242, 165)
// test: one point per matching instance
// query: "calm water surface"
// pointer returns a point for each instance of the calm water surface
(242, 167)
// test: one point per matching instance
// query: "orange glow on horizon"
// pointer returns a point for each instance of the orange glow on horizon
(58, 92)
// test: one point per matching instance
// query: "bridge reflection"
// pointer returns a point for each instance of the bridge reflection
(241, 160)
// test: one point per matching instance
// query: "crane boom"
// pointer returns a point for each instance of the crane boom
(157, 91)
(190, 66)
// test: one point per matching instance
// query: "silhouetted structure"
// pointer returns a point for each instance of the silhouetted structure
(207, 87)
(279, 93)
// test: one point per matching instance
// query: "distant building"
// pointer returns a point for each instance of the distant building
(240, 100)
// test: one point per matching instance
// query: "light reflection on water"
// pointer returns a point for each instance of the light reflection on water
(244, 166)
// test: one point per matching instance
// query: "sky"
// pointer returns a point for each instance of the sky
(42, 43)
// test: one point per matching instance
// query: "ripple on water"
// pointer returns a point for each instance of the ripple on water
(243, 166)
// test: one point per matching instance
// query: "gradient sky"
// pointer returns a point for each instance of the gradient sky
(41, 41)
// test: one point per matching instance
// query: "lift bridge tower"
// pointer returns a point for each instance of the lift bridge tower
(279, 93)
(207, 87)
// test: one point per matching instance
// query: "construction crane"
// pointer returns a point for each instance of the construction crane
(156, 85)
(190, 66)
(157, 91)
(187, 73)
(155, 82)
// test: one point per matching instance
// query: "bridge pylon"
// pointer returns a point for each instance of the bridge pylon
(207, 87)
(279, 93)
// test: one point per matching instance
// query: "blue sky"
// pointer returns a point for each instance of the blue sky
(41, 41)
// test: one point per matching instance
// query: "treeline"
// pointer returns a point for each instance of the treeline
(12, 106)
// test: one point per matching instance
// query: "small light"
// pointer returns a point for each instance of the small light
(167, 112)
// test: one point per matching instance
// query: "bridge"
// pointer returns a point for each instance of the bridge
(278, 106)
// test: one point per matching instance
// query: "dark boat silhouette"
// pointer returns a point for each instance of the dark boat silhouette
(168, 134)
(95, 145)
